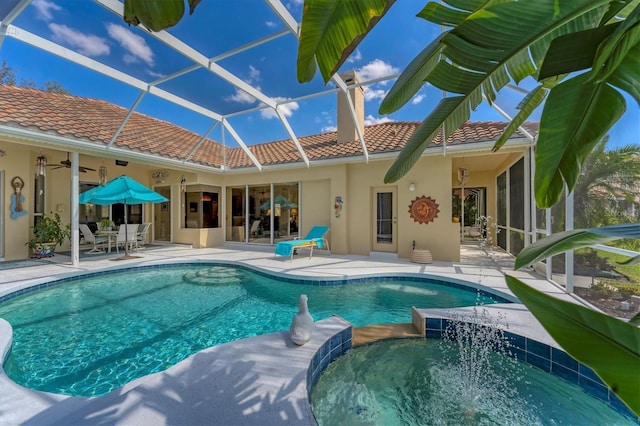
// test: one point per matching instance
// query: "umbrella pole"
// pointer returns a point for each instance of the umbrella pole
(126, 233)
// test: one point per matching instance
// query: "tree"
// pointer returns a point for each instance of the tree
(7, 76)
(607, 178)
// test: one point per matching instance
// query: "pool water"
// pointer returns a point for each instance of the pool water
(90, 336)
(417, 382)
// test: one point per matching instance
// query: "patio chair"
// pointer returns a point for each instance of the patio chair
(141, 236)
(129, 236)
(255, 228)
(315, 238)
(97, 241)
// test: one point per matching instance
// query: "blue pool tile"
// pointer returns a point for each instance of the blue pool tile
(562, 358)
(565, 373)
(434, 324)
(594, 388)
(515, 341)
(336, 341)
(335, 354)
(620, 407)
(588, 373)
(433, 334)
(518, 354)
(538, 361)
(539, 349)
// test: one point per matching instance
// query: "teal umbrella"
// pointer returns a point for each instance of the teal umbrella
(279, 199)
(121, 190)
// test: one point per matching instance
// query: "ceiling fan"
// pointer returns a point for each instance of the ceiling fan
(67, 163)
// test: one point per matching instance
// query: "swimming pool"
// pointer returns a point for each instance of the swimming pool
(91, 335)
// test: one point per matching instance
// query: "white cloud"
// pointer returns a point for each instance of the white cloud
(45, 9)
(417, 99)
(328, 129)
(254, 74)
(241, 97)
(355, 57)
(376, 69)
(286, 109)
(270, 24)
(370, 119)
(136, 47)
(89, 45)
(372, 94)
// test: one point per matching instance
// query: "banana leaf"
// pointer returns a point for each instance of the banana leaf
(609, 346)
(569, 240)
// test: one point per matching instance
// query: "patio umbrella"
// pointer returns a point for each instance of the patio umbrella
(279, 199)
(123, 190)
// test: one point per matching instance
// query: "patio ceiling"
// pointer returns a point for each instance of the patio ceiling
(196, 68)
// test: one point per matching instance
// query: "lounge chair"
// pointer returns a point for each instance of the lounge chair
(315, 238)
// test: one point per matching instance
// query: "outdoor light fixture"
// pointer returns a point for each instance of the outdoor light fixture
(412, 187)
(183, 186)
(102, 175)
(41, 164)
(463, 175)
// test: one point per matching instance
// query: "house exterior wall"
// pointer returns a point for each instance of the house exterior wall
(350, 233)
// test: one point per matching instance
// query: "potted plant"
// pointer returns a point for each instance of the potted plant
(105, 224)
(47, 234)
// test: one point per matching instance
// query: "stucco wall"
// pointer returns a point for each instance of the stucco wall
(16, 231)
(350, 233)
(431, 178)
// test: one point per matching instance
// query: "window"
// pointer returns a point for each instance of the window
(201, 206)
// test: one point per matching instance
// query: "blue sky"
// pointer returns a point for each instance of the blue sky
(216, 28)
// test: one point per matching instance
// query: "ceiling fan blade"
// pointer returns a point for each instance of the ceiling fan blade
(87, 168)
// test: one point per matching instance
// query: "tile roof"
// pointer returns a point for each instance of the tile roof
(96, 121)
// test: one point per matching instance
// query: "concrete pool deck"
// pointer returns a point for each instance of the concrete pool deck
(260, 380)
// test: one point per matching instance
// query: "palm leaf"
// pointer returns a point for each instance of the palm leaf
(412, 78)
(155, 16)
(626, 75)
(452, 111)
(574, 239)
(609, 346)
(576, 115)
(530, 102)
(616, 47)
(331, 30)
(574, 52)
(499, 50)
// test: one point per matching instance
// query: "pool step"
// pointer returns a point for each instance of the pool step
(372, 333)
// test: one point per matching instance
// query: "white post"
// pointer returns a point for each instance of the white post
(75, 209)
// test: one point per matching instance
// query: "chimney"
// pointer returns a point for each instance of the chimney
(346, 126)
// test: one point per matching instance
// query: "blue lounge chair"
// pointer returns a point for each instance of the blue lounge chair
(315, 238)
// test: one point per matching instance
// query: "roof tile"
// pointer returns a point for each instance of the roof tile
(97, 121)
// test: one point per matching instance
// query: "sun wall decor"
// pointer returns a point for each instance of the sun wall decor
(423, 209)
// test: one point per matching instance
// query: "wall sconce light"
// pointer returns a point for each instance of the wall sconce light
(463, 176)
(41, 164)
(183, 184)
(102, 175)
(2, 152)
(412, 187)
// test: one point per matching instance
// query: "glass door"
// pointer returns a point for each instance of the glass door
(385, 211)
(162, 215)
